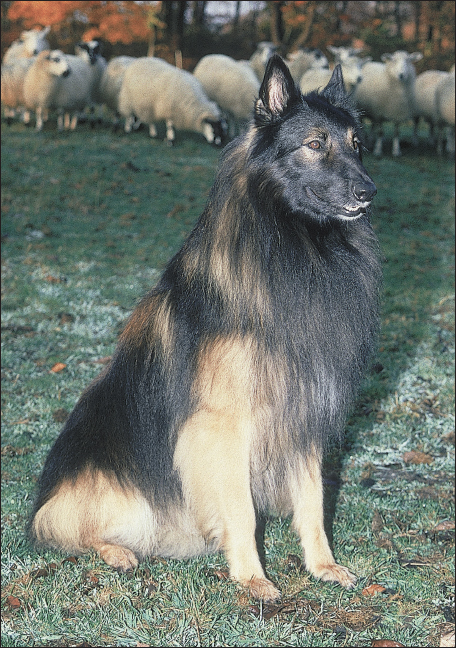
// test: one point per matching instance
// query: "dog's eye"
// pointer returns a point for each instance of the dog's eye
(356, 144)
(314, 145)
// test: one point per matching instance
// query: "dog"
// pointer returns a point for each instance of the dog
(235, 372)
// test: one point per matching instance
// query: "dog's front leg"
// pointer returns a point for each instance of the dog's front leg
(212, 457)
(306, 489)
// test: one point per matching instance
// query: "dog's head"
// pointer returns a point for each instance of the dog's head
(308, 148)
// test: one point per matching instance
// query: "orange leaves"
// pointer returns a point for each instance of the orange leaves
(117, 22)
(59, 366)
(42, 13)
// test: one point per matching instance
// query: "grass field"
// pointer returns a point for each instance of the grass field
(89, 220)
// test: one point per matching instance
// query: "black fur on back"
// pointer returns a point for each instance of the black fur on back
(271, 260)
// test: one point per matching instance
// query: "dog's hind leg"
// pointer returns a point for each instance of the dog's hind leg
(212, 456)
(94, 511)
(306, 489)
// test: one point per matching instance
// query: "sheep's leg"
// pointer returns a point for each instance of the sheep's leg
(66, 122)
(74, 122)
(129, 121)
(378, 148)
(39, 118)
(152, 130)
(396, 144)
(170, 134)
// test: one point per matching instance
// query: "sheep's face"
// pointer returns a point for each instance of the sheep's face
(400, 64)
(57, 63)
(34, 41)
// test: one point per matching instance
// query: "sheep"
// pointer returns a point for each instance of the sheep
(260, 58)
(153, 90)
(387, 93)
(74, 92)
(42, 81)
(231, 84)
(91, 53)
(319, 78)
(425, 98)
(305, 59)
(12, 93)
(29, 44)
(110, 84)
(444, 99)
(341, 53)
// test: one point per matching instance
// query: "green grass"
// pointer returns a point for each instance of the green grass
(89, 220)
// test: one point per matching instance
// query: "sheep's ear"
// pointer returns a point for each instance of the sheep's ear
(277, 92)
(335, 91)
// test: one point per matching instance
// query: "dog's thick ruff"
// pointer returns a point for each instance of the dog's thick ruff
(235, 371)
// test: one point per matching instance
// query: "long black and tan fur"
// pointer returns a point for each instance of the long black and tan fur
(235, 371)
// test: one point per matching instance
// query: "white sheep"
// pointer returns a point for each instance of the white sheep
(12, 93)
(445, 97)
(314, 79)
(91, 53)
(231, 84)
(425, 98)
(111, 81)
(304, 59)
(387, 93)
(260, 58)
(74, 92)
(42, 81)
(29, 44)
(153, 90)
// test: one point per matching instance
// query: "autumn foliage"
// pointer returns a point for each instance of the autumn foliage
(115, 22)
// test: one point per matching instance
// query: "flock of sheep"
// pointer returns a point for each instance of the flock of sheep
(221, 91)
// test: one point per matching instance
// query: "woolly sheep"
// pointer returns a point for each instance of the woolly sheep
(42, 80)
(231, 84)
(387, 93)
(444, 96)
(306, 59)
(74, 92)
(260, 58)
(111, 80)
(29, 44)
(153, 90)
(13, 76)
(425, 98)
(91, 53)
(318, 78)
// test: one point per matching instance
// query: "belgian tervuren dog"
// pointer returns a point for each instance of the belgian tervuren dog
(233, 373)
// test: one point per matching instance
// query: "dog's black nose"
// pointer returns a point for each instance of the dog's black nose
(364, 191)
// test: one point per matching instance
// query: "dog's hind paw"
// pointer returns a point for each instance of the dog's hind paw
(118, 557)
(262, 588)
(336, 573)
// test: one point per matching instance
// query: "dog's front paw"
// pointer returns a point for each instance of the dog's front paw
(336, 573)
(262, 588)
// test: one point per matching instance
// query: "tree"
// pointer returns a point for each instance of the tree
(116, 22)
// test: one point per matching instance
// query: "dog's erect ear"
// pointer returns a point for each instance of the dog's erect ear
(278, 91)
(335, 91)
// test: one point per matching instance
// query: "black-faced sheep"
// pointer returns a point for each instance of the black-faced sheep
(29, 44)
(387, 93)
(42, 82)
(153, 90)
(232, 85)
(91, 53)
